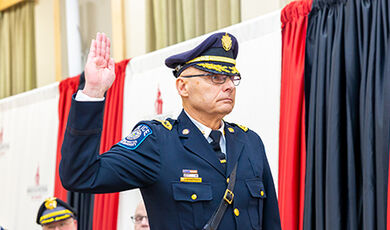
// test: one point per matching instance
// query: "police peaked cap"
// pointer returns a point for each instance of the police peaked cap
(53, 210)
(217, 54)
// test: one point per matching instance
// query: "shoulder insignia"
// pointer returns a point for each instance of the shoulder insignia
(243, 127)
(240, 126)
(166, 124)
(136, 137)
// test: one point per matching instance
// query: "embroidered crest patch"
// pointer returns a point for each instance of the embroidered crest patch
(136, 137)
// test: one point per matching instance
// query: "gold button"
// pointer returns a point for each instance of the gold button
(194, 196)
(236, 212)
(185, 131)
(231, 130)
(227, 180)
(262, 193)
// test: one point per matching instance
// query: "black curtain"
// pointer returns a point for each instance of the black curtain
(347, 118)
(83, 203)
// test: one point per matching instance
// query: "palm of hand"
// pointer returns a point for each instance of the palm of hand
(100, 68)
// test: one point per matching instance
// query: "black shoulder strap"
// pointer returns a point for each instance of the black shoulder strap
(227, 199)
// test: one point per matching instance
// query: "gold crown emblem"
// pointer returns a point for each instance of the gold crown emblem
(226, 42)
(51, 203)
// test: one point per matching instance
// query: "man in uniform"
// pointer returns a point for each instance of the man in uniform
(195, 172)
(56, 214)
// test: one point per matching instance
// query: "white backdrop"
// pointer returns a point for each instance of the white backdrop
(28, 145)
(257, 100)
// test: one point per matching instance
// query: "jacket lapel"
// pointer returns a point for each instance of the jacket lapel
(194, 141)
(234, 147)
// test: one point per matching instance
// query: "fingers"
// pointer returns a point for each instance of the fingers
(108, 45)
(101, 47)
(98, 44)
(92, 49)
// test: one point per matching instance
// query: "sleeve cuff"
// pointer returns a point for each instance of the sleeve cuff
(80, 96)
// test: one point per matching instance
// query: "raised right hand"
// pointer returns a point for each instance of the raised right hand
(100, 68)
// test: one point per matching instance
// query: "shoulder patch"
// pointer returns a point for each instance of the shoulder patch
(136, 137)
(166, 124)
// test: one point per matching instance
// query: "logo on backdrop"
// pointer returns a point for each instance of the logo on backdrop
(37, 191)
(4, 147)
(159, 102)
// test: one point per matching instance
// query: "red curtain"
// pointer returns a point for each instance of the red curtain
(388, 200)
(106, 205)
(292, 149)
(67, 88)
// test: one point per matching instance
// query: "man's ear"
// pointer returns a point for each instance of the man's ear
(182, 86)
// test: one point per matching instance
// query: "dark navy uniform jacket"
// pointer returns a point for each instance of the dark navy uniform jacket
(154, 160)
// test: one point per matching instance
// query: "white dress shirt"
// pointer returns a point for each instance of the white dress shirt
(206, 132)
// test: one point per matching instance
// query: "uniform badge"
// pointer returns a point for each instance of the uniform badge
(190, 175)
(226, 42)
(136, 137)
(51, 203)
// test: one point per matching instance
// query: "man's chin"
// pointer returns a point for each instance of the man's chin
(226, 110)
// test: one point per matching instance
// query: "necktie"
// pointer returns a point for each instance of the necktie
(215, 135)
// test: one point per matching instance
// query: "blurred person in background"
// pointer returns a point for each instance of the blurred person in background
(140, 218)
(56, 214)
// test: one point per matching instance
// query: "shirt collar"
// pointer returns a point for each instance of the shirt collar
(204, 129)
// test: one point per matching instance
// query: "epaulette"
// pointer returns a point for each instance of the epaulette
(240, 126)
(165, 123)
(243, 127)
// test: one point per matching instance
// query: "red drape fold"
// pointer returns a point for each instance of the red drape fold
(292, 149)
(67, 88)
(106, 205)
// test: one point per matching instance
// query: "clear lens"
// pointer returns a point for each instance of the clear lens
(218, 79)
(138, 219)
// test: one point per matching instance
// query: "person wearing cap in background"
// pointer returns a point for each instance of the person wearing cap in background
(194, 172)
(140, 218)
(56, 214)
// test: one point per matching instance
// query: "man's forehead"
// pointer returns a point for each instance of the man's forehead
(57, 223)
(192, 70)
(140, 210)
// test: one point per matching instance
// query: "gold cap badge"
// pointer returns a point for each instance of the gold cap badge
(226, 42)
(51, 203)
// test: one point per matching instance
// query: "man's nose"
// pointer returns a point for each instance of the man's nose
(144, 221)
(228, 85)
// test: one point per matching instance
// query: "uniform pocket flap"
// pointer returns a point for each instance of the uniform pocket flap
(256, 188)
(192, 192)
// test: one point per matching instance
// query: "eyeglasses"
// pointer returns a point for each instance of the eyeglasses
(138, 219)
(218, 78)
